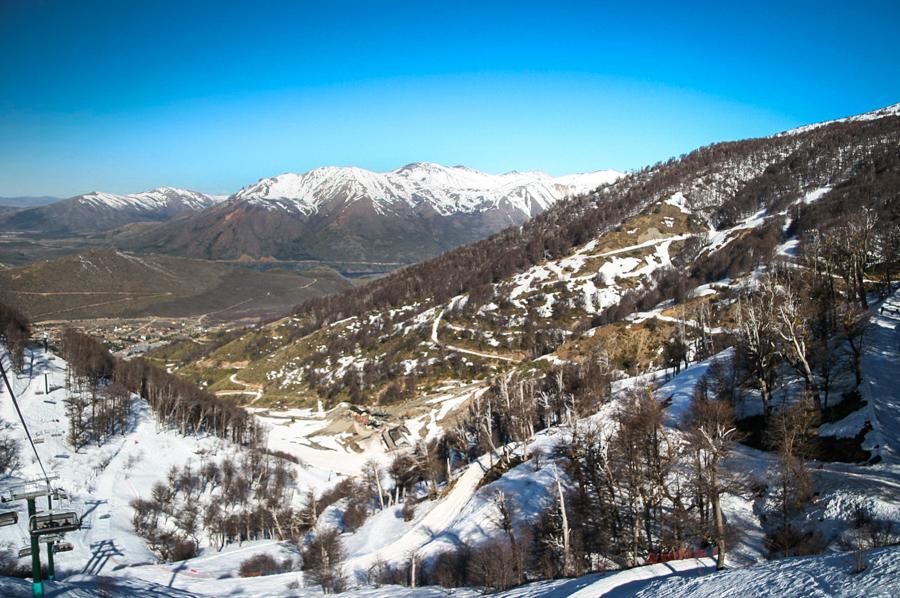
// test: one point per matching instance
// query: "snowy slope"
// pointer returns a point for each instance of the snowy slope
(102, 481)
(892, 110)
(155, 200)
(830, 575)
(448, 190)
(812, 577)
(880, 384)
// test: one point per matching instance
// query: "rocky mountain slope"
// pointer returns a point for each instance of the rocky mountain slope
(99, 211)
(352, 214)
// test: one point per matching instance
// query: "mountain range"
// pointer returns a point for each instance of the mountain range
(99, 211)
(27, 201)
(330, 213)
(352, 214)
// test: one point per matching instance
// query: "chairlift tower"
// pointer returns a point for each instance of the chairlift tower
(47, 527)
(40, 525)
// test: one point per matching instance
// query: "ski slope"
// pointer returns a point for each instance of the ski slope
(101, 481)
(423, 532)
(881, 364)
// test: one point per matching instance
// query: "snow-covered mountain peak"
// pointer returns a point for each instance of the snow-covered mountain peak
(447, 190)
(159, 199)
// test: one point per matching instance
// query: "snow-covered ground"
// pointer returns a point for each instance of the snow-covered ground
(802, 577)
(100, 481)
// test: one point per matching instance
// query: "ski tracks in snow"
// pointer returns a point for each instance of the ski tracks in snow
(431, 526)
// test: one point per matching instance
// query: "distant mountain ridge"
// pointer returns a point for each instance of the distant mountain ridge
(446, 190)
(352, 214)
(28, 201)
(98, 211)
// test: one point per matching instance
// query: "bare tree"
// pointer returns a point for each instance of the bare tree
(854, 245)
(794, 329)
(566, 530)
(322, 560)
(9, 452)
(505, 515)
(757, 346)
(710, 432)
(15, 330)
(788, 433)
(854, 329)
(373, 472)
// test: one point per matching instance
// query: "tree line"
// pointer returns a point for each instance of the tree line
(15, 331)
(248, 497)
(99, 405)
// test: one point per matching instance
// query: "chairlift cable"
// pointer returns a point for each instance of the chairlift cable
(22, 419)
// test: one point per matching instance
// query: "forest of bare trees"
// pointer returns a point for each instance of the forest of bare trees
(101, 384)
(15, 331)
(228, 501)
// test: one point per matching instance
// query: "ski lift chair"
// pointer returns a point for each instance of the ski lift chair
(61, 518)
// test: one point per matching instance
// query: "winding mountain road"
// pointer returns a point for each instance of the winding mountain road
(434, 339)
(254, 390)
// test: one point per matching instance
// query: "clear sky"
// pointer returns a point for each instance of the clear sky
(127, 95)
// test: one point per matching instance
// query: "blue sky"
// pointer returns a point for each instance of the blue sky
(125, 96)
